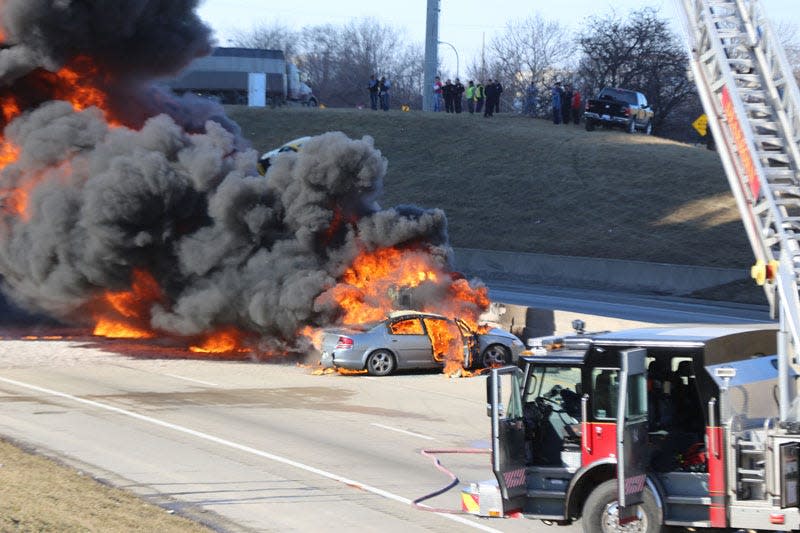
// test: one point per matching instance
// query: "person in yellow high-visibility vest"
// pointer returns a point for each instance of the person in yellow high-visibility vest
(470, 94)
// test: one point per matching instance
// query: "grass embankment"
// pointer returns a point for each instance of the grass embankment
(522, 184)
(37, 494)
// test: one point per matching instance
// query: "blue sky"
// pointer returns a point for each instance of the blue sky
(463, 23)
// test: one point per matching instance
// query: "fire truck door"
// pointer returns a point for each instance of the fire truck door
(504, 398)
(632, 433)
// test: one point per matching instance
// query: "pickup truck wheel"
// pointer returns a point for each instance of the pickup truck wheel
(589, 124)
(631, 128)
(601, 511)
(648, 129)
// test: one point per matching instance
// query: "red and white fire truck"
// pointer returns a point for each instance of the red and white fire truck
(690, 426)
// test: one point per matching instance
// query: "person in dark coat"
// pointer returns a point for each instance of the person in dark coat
(449, 95)
(555, 94)
(458, 91)
(372, 86)
(491, 95)
(498, 88)
(566, 104)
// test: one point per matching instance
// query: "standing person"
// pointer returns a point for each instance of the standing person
(532, 95)
(480, 96)
(566, 104)
(447, 92)
(383, 92)
(470, 95)
(458, 91)
(437, 94)
(576, 106)
(555, 93)
(498, 90)
(491, 94)
(372, 86)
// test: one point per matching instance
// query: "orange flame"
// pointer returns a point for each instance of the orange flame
(369, 289)
(223, 341)
(125, 314)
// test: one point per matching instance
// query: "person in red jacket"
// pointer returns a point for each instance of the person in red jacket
(576, 106)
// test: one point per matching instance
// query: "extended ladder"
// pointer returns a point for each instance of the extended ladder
(753, 106)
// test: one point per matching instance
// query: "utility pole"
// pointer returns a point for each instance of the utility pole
(431, 53)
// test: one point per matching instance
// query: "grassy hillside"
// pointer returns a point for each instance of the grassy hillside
(522, 184)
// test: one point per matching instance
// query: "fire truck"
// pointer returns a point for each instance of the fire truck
(695, 425)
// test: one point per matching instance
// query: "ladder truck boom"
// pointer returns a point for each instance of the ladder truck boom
(752, 103)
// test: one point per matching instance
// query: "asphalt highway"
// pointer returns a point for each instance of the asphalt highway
(246, 446)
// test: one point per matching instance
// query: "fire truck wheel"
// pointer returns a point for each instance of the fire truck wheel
(380, 363)
(495, 355)
(601, 508)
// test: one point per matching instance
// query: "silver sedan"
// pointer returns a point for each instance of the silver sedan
(403, 341)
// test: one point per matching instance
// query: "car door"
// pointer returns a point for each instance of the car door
(508, 430)
(407, 339)
(632, 433)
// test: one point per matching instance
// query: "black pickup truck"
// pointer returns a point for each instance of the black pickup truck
(619, 107)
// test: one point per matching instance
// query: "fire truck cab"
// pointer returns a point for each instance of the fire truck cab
(647, 428)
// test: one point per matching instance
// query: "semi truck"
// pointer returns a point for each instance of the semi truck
(245, 76)
(690, 426)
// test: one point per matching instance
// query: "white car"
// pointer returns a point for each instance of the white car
(292, 146)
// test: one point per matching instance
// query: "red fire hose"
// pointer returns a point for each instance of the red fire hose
(454, 479)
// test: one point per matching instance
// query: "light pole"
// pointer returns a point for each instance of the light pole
(456, 52)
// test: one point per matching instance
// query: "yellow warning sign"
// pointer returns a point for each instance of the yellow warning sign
(701, 125)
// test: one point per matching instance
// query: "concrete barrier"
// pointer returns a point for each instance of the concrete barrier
(608, 274)
(630, 276)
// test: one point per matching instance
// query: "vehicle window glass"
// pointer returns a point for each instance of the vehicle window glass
(409, 326)
(605, 389)
(637, 396)
(560, 386)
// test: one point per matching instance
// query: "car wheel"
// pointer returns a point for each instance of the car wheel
(495, 355)
(601, 512)
(380, 363)
(631, 126)
(589, 124)
(648, 129)
(312, 102)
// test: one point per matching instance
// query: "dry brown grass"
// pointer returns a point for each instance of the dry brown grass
(522, 184)
(37, 494)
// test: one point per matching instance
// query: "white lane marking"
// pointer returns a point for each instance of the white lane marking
(192, 380)
(390, 428)
(241, 447)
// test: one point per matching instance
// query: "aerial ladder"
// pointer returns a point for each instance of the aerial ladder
(752, 103)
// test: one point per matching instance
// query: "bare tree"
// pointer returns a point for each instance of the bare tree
(530, 49)
(639, 53)
(274, 36)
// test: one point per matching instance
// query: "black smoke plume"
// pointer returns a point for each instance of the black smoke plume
(168, 185)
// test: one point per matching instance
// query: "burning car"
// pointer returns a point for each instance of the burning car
(415, 340)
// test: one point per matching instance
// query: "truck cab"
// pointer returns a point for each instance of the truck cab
(662, 426)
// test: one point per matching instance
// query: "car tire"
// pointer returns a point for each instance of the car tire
(648, 129)
(381, 363)
(600, 508)
(312, 102)
(494, 355)
(589, 124)
(631, 127)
